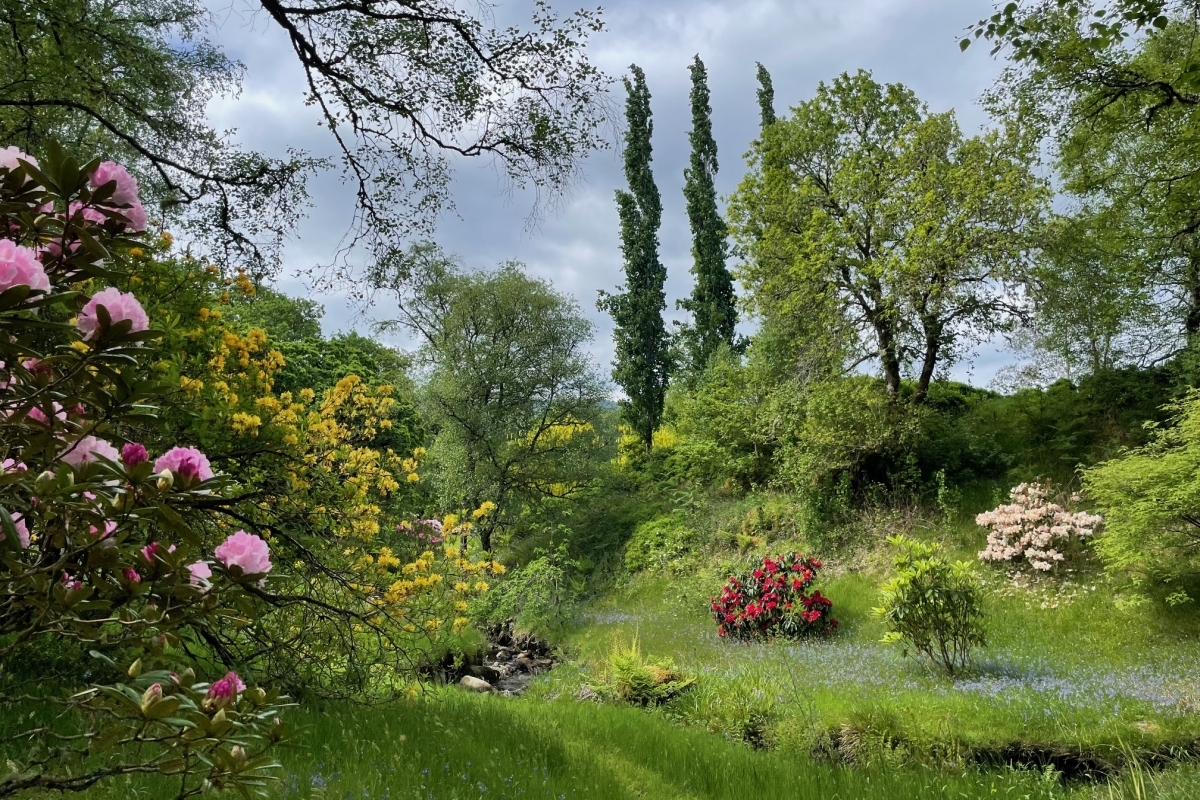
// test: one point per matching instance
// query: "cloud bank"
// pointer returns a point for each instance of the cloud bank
(575, 245)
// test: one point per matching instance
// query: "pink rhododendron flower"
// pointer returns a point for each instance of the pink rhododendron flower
(37, 415)
(22, 530)
(19, 266)
(34, 366)
(136, 215)
(247, 551)
(150, 551)
(90, 214)
(201, 572)
(126, 192)
(9, 156)
(12, 465)
(87, 449)
(125, 196)
(133, 454)
(110, 527)
(186, 462)
(119, 305)
(132, 575)
(71, 583)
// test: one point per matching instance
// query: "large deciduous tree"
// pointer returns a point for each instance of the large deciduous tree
(714, 315)
(643, 358)
(510, 391)
(864, 214)
(404, 88)
(1122, 122)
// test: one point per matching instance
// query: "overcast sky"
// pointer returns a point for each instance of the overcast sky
(576, 247)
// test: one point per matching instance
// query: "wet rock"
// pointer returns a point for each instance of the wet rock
(473, 684)
(485, 672)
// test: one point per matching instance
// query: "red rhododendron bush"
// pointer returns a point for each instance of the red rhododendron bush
(773, 600)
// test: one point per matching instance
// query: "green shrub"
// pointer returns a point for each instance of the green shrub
(932, 606)
(1150, 499)
(628, 676)
(657, 542)
(537, 594)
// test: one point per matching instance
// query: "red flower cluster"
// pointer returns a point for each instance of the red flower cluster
(771, 601)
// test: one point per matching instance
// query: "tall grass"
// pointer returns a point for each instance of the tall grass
(451, 746)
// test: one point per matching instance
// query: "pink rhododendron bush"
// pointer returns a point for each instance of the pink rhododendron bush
(106, 546)
(1034, 530)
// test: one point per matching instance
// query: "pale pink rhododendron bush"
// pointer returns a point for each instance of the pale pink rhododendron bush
(1033, 529)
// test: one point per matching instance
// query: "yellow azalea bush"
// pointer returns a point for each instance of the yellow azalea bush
(319, 477)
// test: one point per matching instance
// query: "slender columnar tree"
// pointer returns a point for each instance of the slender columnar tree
(643, 348)
(713, 314)
(766, 96)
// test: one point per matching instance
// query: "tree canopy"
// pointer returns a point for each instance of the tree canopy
(878, 221)
(403, 88)
(509, 389)
(712, 302)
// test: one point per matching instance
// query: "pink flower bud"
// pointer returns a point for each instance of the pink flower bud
(132, 575)
(133, 454)
(151, 696)
(223, 693)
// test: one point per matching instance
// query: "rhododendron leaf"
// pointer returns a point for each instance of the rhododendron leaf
(163, 708)
(107, 739)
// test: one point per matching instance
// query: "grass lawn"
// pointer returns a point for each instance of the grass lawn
(1077, 676)
(454, 746)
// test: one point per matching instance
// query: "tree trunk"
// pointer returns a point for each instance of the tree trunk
(1192, 288)
(888, 358)
(933, 344)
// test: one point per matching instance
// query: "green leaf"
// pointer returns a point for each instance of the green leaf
(12, 541)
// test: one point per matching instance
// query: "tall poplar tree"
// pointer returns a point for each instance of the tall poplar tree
(766, 96)
(643, 349)
(712, 302)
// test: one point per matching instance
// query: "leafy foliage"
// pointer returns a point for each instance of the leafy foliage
(884, 228)
(714, 315)
(932, 606)
(107, 548)
(536, 595)
(511, 392)
(657, 542)
(401, 87)
(1150, 498)
(628, 676)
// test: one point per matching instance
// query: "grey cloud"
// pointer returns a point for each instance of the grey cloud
(576, 246)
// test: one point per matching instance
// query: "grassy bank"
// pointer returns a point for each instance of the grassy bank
(452, 746)
(1068, 677)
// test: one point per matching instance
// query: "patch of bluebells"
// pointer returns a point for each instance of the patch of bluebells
(1167, 685)
(771, 601)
